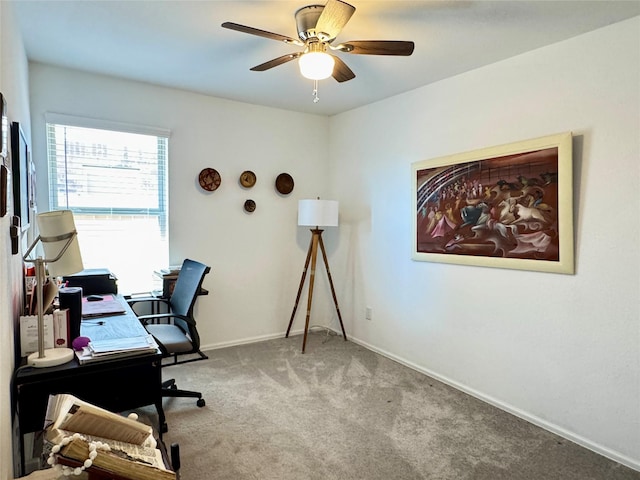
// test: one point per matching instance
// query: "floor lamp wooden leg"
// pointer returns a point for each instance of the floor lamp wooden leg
(304, 275)
(314, 254)
(333, 291)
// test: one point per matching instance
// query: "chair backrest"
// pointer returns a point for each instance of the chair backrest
(185, 293)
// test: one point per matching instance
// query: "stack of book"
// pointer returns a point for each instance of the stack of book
(132, 454)
(98, 350)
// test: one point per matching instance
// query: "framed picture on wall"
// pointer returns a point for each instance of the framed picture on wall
(509, 206)
(4, 150)
(20, 172)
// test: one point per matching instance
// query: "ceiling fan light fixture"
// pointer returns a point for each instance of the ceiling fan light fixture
(316, 65)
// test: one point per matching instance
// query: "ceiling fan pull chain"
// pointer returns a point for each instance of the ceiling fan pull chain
(316, 99)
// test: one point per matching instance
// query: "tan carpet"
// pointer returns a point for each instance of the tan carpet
(342, 412)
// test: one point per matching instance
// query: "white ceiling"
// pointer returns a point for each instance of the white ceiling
(180, 43)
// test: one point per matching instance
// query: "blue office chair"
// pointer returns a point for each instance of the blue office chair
(175, 330)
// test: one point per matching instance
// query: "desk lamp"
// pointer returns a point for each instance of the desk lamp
(315, 213)
(59, 240)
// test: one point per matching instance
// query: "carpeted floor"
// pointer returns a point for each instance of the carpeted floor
(342, 412)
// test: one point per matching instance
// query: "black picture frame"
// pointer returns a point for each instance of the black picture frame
(20, 174)
(5, 129)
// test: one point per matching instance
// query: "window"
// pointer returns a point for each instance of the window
(114, 179)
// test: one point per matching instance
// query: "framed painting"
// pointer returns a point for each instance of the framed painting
(20, 166)
(508, 206)
(5, 129)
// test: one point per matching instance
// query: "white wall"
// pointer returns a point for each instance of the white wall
(13, 85)
(256, 259)
(560, 350)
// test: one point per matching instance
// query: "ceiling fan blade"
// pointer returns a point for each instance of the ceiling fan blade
(261, 33)
(275, 62)
(376, 47)
(341, 72)
(333, 18)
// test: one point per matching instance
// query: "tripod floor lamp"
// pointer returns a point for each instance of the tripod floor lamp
(59, 241)
(316, 213)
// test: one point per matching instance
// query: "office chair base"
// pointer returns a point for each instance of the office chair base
(175, 361)
(170, 389)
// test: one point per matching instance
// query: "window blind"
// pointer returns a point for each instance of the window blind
(115, 182)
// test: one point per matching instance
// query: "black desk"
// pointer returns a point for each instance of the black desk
(117, 385)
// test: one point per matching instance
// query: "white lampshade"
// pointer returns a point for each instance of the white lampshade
(53, 225)
(316, 65)
(318, 213)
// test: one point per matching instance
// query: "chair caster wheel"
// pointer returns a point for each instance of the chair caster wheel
(173, 387)
(201, 403)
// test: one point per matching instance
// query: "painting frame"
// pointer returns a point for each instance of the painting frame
(20, 168)
(502, 206)
(4, 128)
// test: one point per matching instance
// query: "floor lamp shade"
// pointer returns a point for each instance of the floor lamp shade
(318, 213)
(55, 228)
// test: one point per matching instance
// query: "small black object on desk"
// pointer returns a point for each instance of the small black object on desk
(94, 298)
(71, 298)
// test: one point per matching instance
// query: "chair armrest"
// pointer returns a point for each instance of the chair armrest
(151, 299)
(145, 319)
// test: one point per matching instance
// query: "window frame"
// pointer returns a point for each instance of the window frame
(158, 208)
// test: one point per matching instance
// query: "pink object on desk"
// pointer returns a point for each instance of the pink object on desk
(80, 342)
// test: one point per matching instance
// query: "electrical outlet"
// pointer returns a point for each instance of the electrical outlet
(367, 313)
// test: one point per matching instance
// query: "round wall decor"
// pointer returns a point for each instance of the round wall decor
(209, 179)
(284, 183)
(249, 206)
(247, 179)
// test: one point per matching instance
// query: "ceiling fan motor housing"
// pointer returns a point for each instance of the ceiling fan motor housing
(306, 21)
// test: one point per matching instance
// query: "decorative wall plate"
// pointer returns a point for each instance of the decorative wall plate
(209, 179)
(249, 206)
(284, 183)
(247, 179)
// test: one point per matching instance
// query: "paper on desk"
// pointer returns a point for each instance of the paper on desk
(106, 347)
(109, 305)
(85, 356)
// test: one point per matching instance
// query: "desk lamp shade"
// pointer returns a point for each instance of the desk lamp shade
(318, 213)
(54, 227)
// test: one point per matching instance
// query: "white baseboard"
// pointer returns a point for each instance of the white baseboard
(261, 338)
(244, 341)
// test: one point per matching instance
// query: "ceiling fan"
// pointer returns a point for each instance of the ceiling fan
(318, 26)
